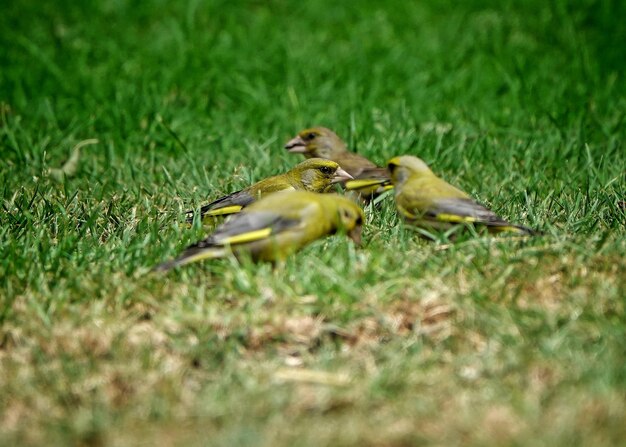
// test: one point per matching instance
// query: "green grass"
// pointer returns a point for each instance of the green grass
(486, 341)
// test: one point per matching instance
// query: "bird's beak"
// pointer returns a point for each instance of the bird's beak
(296, 145)
(341, 176)
(355, 234)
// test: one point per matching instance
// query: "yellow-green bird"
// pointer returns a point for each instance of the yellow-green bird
(315, 175)
(425, 200)
(276, 226)
(369, 179)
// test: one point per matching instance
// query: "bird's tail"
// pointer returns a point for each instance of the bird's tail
(506, 227)
(224, 211)
(192, 254)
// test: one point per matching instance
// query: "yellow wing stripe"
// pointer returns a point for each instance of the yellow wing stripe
(512, 229)
(206, 254)
(455, 218)
(364, 183)
(250, 236)
(226, 210)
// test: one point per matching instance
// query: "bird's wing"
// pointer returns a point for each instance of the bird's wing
(249, 227)
(370, 177)
(461, 210)
(471, 212)
(242, 228)
(232, 203)
(236, 201)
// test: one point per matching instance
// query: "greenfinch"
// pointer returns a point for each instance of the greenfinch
(275, 226)
(428, 202)
(315, 175)
(369, 180)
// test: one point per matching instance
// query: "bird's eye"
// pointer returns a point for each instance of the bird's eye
(326, 170)
(391, 167)
(310, 136)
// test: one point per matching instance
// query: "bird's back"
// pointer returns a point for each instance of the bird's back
(301, 206)
(353, 163)
(421, 190)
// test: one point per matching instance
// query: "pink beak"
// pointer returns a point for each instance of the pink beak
(296, 145)
(341, 176)
(355, 235)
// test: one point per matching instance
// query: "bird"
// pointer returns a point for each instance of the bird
(276, 226)
(315, 175)
(369, 181)
(430, 203)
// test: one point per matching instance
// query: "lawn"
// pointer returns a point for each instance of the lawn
(117, 116)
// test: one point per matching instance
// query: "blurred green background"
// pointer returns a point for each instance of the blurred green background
(266, 69)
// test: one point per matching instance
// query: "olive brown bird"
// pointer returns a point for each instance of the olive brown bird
(369, 181)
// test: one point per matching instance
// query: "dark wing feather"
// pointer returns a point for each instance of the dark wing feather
(241, 224)
(463, 208)
(469, 211)
(239, 198)
(369, 182)
(242, 228)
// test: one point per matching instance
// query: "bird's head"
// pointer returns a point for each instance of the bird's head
(405, 166)
(318, 174)
(349, 216)
(316, 142)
